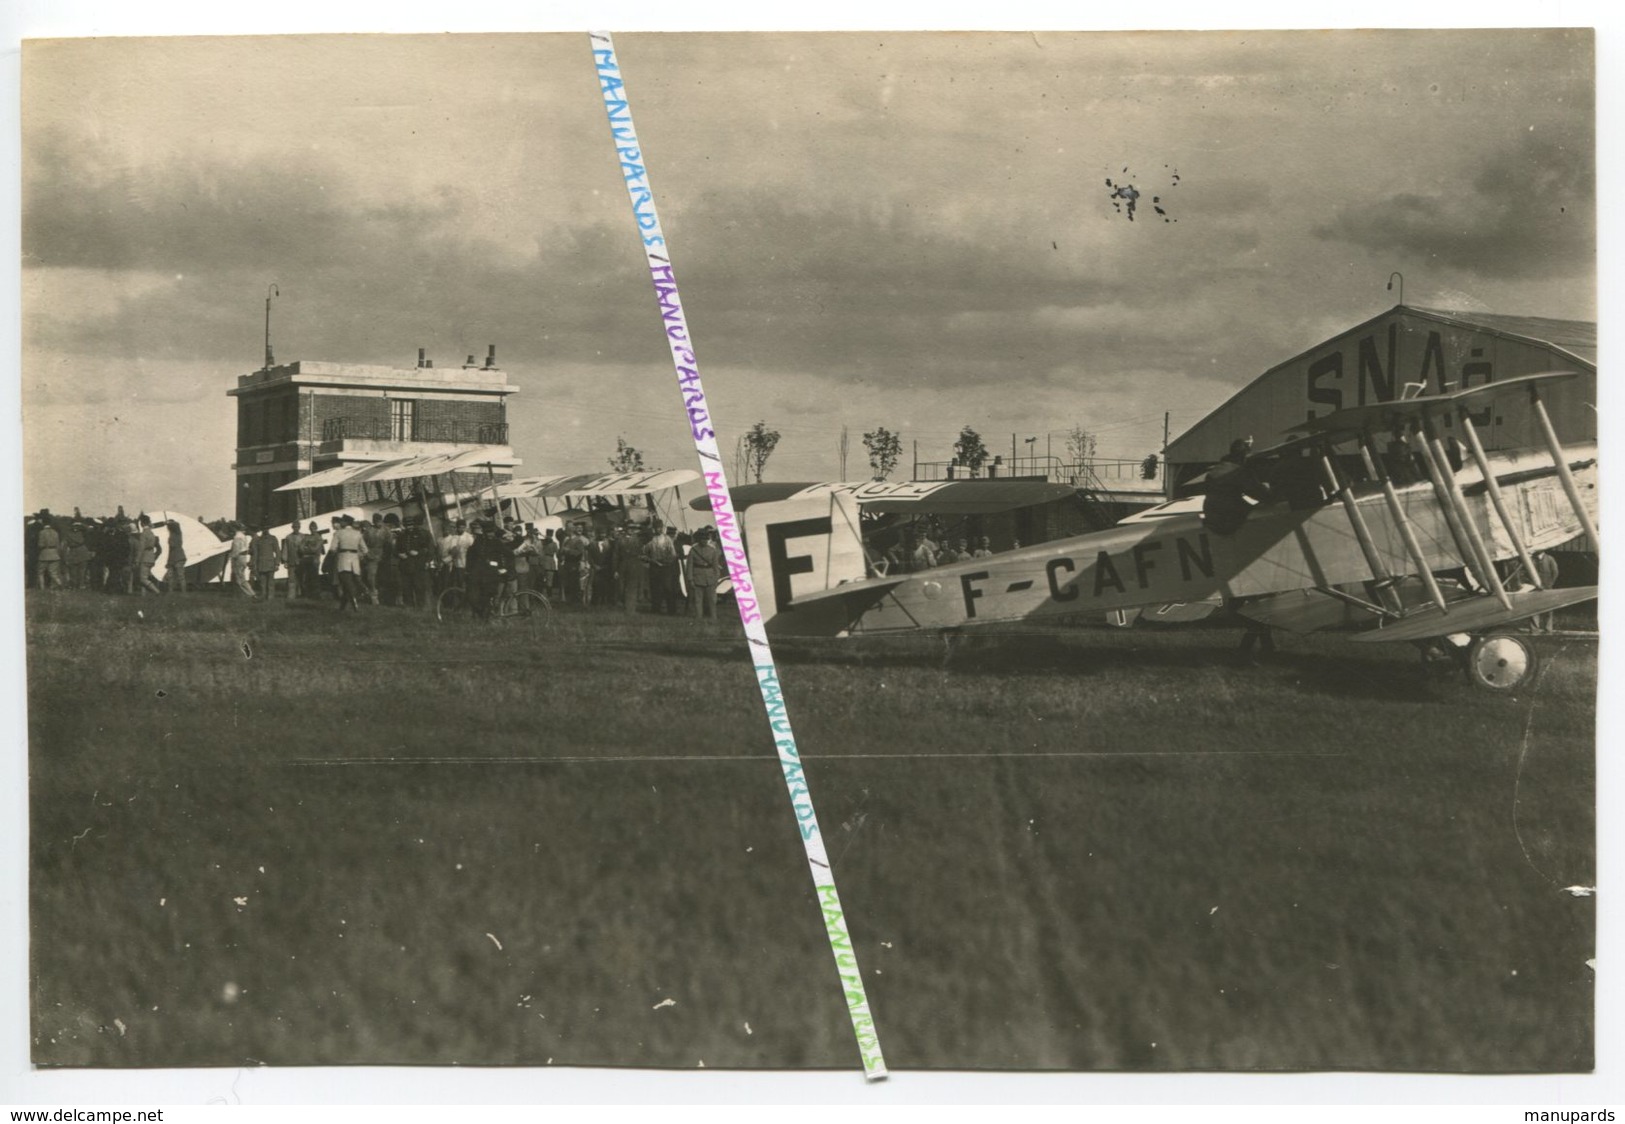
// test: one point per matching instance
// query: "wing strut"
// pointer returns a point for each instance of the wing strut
(1562, 463)
(1345, 493)
(1456, 513)
(1493, 487)
(1374, 468)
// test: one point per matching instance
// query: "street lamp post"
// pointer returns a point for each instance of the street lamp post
(271, 291)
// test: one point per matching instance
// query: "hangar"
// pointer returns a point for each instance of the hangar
(1434, 349)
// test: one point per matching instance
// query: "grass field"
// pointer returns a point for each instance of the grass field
(1092, 849)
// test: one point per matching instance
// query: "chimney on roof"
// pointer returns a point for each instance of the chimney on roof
(469, 363)
(491, 358)
(421, 353)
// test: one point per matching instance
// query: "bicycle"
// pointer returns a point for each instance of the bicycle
(524, 608)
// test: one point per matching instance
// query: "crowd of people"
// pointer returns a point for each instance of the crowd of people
(629, 566)
(390, 561)
(919, 550)
(115, 553)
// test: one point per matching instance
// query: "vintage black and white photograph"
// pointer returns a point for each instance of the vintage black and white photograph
(1165, 464)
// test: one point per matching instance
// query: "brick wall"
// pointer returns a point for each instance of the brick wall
(341, 406)
(468, 413)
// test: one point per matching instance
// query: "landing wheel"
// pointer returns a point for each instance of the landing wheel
(1500, 661)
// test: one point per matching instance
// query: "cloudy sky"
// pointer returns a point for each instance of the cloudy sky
(909, 230)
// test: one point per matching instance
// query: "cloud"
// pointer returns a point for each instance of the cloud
(1528, 212)
(866, 289)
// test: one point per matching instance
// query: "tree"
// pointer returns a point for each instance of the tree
(1080, 445)
(885, 447)
(626, 458)
(760, 442)
(969, 450)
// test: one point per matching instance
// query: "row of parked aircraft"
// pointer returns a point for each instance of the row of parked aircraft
(1400, 542)
(1328, 530)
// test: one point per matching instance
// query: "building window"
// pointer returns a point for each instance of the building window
(402, 419)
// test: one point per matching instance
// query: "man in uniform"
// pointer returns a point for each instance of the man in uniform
(663, 595)
(414, 555)
(311, 551)
(146, 554)
(572, 552)
(49, 558)
(291, 546)
(548, 551)
(240, 566)
(630, 568)
(704, 571)
(76, 554)
(485, 569)
(373, 534)
(175, 562)
(267, 554)
(601, 560)
(349, 550)
(389, 562)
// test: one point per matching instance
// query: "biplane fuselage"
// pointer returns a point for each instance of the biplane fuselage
(1170, 555)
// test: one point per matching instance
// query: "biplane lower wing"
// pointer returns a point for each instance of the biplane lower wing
(1477, 615)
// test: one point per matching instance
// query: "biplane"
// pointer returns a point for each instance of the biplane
(619, 497)
(422, 486)
(1402, 541)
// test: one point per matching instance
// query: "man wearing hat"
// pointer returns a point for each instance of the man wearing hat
(665, 596)
(240, 564)
(487, 567)
(389, 562)
(311, 550)
(267, 554)
(292, 544)
(572, 559)
(349, 550)
(704, 572)
(373, 533)
(627, 555)
(414, 556)
(77, 554)
(49, 558)
(450, 547)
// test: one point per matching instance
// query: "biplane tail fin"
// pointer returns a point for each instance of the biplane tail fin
(800, 548)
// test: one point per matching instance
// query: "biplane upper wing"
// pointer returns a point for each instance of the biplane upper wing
(596, 484)
(395, 468)
(920, 497)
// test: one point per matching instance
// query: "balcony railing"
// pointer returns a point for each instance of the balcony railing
(1096, 472)
(388, 429)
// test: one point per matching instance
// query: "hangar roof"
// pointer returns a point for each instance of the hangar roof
(1577, 337)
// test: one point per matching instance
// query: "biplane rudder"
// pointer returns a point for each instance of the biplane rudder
(799, 547)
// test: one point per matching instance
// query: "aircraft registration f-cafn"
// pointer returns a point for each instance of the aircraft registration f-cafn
(1326, 531)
